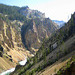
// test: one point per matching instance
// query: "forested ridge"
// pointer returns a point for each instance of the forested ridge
(60, 43)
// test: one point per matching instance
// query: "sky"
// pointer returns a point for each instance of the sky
(54, 9)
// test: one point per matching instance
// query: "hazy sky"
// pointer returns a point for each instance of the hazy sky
(54, 9)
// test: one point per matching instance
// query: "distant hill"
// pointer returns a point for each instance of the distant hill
(60, 23)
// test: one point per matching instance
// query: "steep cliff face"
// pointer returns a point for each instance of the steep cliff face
(11, 48)
(35, 31)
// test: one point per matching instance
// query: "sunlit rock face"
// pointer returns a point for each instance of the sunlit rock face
(12, 49)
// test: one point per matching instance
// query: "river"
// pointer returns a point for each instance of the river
(12, 69)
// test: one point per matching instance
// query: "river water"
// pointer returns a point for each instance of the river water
(12, 69)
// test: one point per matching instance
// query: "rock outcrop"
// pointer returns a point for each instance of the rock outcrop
(29, 13)
(35, 31)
